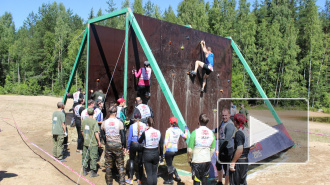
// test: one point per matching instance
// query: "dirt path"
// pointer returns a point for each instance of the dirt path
(20, 165)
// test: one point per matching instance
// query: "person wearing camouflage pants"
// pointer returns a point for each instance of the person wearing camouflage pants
(114, 147)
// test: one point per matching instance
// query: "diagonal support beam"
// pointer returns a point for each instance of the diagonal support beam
(158, 73)
(255, 81)
(109, 15)
(76, 63)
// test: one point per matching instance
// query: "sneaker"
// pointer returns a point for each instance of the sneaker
(202, 90)
(192, 72)
(63, 160)
(139, 182)
(129, 181)
(178, 179)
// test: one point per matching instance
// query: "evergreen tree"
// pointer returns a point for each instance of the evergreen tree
(137, 7)
(149, 8)
(193, 12)
(169, 15)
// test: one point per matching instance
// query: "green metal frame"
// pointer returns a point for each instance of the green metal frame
(159, 76)
(75, 65)
(158, 73)
(255, 81)
(126, 57)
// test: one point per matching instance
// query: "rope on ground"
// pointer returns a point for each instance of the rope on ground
(24, 139)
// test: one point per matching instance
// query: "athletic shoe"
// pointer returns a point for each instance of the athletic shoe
(63, 160)
(85, 172)
(192, 72)
(139, 182)
(129, 181)
(202, 90)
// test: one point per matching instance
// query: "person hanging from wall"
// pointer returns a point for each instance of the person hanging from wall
(153, 149)
(171, 140)
(114, 147)
(144, 74)
(133, 147)
(239, 163)
(201, 147)
(77, 113)
(76, 96)
(207, 66)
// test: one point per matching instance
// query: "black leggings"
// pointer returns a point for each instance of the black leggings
(135, 148)
(151, 159)
(80, 140)
(169, 156)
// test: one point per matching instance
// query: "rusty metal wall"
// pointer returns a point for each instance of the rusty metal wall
(176, 48)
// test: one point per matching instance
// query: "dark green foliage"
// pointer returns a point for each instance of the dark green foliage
(285, 42)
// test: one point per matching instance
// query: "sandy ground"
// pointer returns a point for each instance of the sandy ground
(25, 164)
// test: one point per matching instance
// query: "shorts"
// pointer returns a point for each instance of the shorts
(200, 170)
(206, 69)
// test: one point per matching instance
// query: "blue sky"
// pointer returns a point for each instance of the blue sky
(20, 9)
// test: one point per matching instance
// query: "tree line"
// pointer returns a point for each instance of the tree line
(285, 42)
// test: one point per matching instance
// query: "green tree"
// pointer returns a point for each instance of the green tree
(149, 8)
(193, 12)
(7, 37)
(137, 7)
(157, 13)
(310, 42)
(169, 15)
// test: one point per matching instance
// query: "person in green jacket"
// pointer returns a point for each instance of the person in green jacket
(58, 131)
(90, 132)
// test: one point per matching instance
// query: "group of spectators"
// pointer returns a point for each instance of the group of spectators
(145, 143)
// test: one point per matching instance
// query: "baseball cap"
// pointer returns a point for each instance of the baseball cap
(90, 111)
(121, 100)
(146, 63)
(173, 120)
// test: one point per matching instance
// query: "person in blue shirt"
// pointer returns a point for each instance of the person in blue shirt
(207, 66)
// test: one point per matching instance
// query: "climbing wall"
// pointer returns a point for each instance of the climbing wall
(175, 48)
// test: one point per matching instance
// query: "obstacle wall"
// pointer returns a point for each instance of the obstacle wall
(175, 48)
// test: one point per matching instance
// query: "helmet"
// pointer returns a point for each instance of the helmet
(146, 63)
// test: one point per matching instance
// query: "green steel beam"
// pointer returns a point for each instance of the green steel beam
(126, 57)
(75, 65)
(87, 67)
(158, 73)
(109, 15)
(255, 81)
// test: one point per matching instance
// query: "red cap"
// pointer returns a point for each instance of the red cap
(173, 120)
(121, 100)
